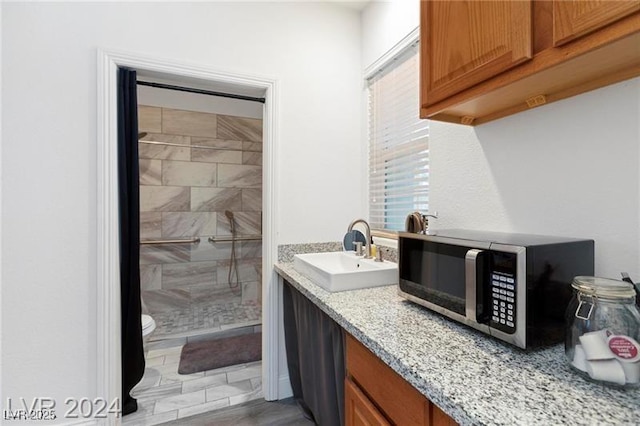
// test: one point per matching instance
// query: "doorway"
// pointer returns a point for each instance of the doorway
(108, 295)
(200, 157)
(200, 162)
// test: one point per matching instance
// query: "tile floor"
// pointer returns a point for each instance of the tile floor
(164, 395)
(199, 315)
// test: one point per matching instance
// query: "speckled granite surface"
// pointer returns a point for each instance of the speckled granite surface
(287, 251)
(470, 376)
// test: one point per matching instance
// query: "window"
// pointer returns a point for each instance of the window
(398, 144)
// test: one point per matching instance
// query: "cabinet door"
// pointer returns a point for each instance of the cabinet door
(359, 410)
(400, 402)
(575, 18)
(437, 417)
(467, 42)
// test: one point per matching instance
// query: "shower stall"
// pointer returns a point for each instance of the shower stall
(200, 221)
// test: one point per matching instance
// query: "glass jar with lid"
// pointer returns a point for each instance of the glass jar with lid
(603, 331)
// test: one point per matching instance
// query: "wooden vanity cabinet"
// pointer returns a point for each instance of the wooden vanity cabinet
(377, 395)
(359, 410)
(482, 60)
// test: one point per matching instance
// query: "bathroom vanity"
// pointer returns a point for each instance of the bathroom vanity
(402, 359)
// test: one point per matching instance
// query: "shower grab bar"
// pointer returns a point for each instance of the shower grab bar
(195, 240)
(181, 145)
(230, 239)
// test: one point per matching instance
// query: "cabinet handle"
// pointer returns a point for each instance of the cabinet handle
(467, 119)
(536, 101)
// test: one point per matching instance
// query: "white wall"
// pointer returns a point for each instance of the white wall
(166, 98)
(384, 24)
(1, 180)
(571, 168)
(49, 150)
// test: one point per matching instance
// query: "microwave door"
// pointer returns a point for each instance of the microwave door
(477, 309)
(434, 272)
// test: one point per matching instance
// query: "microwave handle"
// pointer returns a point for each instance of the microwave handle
(476, 308)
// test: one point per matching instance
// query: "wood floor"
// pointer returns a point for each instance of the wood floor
(254, 413)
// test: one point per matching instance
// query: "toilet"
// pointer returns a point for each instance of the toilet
(148, 325)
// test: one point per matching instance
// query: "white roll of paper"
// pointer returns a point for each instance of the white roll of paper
(607, 370)
(595, 345)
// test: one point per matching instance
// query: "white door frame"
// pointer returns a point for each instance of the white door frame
(108, 270)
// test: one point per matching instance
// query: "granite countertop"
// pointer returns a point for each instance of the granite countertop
(473, 378)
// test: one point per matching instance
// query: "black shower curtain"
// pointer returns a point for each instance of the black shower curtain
(129, 202)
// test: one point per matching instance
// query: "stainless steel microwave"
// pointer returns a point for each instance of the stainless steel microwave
(514, 287)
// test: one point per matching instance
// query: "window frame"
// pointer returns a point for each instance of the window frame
(377, 67)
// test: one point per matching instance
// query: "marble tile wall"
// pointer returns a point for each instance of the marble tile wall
(184, 192)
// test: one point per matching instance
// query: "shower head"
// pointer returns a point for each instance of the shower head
(232, 226)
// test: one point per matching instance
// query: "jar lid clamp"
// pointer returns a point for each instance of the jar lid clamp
(581, 308)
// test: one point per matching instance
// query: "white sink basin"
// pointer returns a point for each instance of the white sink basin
(339, 271)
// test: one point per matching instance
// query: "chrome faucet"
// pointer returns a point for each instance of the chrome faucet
(367, 236)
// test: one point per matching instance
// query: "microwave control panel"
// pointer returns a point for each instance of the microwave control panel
(503, 301)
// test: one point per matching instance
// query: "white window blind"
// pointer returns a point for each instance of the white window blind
(398, 144)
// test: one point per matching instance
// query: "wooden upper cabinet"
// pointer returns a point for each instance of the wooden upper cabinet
(467, 42)
(483, 60)
(575, 18)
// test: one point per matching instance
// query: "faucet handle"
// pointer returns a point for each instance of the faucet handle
(379, 255)
(425, 222)
(426, 215)
(359, 251)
